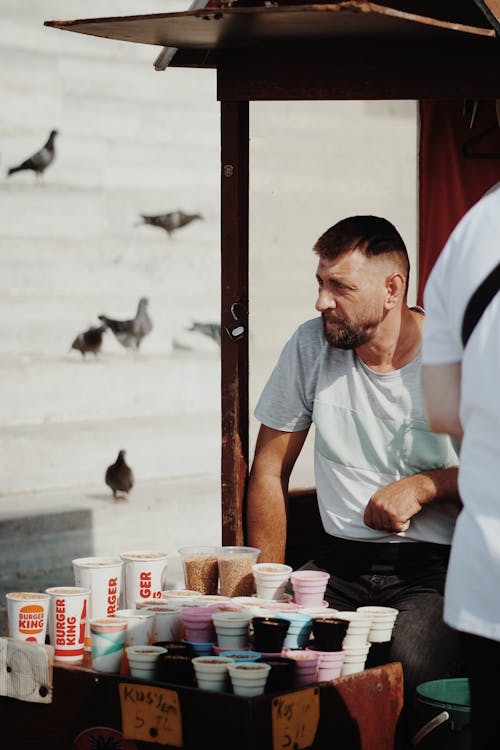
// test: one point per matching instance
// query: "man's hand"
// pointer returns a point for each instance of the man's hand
(392, 507)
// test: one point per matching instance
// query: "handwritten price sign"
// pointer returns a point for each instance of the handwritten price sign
(150, 714)
(295, 719)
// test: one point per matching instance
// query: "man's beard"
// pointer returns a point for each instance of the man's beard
(348, 335)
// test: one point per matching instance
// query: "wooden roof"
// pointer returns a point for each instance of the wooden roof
(223, 26)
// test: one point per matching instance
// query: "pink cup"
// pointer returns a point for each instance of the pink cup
(309, 587)
(199, 624)
(306, 665)
(329, 665)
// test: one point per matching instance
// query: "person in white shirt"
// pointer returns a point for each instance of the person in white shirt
(386, 485)
(461, 379)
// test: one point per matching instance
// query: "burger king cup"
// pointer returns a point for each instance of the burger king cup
(27, 616)
(309, 587)
(355, 658)
(68, 607)
(103, 576)
(144, 575)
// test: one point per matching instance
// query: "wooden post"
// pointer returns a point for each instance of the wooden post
(234, 312)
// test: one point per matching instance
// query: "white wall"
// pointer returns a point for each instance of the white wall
(134, 140)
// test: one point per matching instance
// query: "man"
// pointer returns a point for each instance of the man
(461, 381)
(386, 485)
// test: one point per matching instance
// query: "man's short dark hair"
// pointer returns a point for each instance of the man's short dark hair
(370, 235)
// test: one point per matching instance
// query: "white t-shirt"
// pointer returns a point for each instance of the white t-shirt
(371, 430)
(472, 600)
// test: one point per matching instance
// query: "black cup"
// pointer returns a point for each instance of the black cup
(269, 634)
(176, 668)
(176, 647)
(281, 675)
(328, 633)
(379, 654)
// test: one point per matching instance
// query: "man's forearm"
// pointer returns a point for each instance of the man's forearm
(439, 484)
(266, 518)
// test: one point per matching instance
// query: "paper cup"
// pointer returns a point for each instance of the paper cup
(108, 640)
(144, 575)
(67, 621)
(139, 626)
(27, 615)
(103, 576)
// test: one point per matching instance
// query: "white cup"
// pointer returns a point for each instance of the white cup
(248, 679)
(271, 580)
(142, 660)
(27, 615)
(139, 626)
(144, 576)
(355, 659)
(108, 641)
(211, 672)
(167, 622)
(103, 576)
(68, 608)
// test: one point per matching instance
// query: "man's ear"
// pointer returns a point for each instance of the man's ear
(395, 285)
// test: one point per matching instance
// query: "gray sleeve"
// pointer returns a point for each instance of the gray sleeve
(287, 399)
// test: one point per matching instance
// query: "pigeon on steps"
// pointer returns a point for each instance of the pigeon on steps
(89, 341)
(212, 330)
(131, 332)
(39, 162)
(119, 477)
(171, 221)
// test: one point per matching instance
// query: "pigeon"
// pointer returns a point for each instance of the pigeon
(39, 162)
(208, 329)
(119, 477)
(170, 222)
(131, 332)
(89, 341)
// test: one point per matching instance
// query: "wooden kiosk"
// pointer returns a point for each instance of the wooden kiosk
(404, 49)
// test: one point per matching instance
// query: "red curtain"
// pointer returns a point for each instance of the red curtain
(458, 164)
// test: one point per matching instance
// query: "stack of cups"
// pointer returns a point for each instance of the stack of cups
(299, 630)
(143, 660)
(355, 658)
(306, 665)
(211, 672)
(309, 587)
(103, 576)
(380, 633)
(248, 679)
(271, 580)
(199, 624)
(358, 628)
(329, 664)
(382, 623)
(231, 628)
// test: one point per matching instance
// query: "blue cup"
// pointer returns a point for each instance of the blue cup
(299, 631)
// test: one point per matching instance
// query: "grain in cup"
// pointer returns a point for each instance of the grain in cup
(201, 568)
(235, 570)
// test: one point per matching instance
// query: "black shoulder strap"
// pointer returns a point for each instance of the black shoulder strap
(479, 302)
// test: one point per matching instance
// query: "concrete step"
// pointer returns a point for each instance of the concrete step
(40, 534)
(74, 454)
(116, 384)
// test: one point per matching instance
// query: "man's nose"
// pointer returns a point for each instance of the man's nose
(325, 301)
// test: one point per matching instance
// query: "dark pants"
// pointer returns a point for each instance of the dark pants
(409, 577)
(482, 657)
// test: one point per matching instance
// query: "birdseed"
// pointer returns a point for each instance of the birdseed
(201, 573)
(236, 575)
